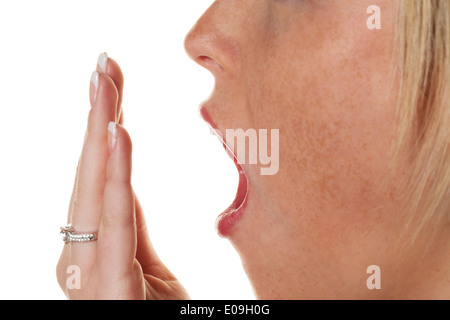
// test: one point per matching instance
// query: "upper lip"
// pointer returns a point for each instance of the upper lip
(206, 117)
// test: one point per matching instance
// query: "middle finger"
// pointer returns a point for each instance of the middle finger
(92, 166)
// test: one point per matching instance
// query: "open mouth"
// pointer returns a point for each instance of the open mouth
(228, 218)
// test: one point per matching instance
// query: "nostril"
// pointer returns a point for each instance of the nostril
(209, 63)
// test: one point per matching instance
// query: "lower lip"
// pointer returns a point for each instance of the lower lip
(227, 219)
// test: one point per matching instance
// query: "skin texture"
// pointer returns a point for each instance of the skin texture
(313, 70)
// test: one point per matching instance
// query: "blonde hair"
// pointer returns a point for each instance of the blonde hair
(423, 47)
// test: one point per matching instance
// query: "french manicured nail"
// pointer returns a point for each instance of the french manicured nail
(103, 61)
(112, 135)
(94, 81)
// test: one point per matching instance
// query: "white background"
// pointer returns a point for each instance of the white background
(181, 173)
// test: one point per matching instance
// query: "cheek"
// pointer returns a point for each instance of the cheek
(335, 116)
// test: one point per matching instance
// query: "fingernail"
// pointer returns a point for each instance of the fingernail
(103, 61)
(94, 80)
(119, 114)
(112, 135)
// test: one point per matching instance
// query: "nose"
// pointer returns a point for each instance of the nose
(213, 42)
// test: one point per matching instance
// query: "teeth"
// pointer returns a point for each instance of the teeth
(216, 133)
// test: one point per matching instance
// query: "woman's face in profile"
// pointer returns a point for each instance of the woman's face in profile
(313, 70)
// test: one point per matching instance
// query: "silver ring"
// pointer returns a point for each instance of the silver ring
(68, 234)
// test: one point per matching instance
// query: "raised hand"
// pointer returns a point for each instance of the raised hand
(121, 263)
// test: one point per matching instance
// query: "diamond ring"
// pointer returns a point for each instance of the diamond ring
(68, 234)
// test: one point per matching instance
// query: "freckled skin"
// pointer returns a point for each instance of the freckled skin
(314, 71)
